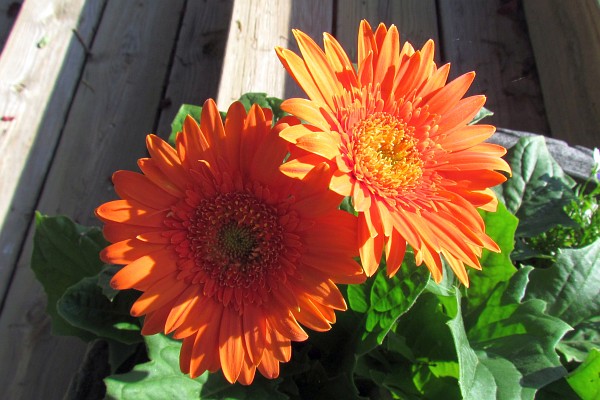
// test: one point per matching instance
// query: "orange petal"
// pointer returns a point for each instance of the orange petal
(467, 136)
(394, 253)
(318, 67)
(231, 348)
(321, 143)
(254, 326)
(462, 113)
(286, 324)
(133, 186)
(447, 97)
(181, 308)
(117, 232)
(297, 68)
(247, 372)
(154, 322)
(127, 251)
(167, 160)
(269, 365)
(159, 294)
(325, 292)
(310, 316)
(308, 111)
(366, 41)
(150, 168)
(205, 354)
(146, 270)
(131, 212)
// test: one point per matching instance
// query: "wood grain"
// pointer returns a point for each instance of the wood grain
(39, 70)
(483, 36)
(116, 104)
(566, 41)
(257, 26)
(198, 60)
(416, 20)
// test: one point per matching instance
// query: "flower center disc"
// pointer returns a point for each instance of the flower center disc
(236, 239)
(386, 153)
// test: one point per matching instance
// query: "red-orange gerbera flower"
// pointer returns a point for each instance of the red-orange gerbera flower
(230, 253)
(397, 138)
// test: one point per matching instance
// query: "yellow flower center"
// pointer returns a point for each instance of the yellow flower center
(386, 154)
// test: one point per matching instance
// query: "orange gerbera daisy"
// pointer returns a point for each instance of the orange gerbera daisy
(230, 254)
(397, 138)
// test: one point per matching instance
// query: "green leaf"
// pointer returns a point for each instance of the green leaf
(84, 306)
(570, 288)
(435, 372)
(585, 336)
(496, 267)
(483, 113)
(557, 390)
(104, 278)
(506, 347)
(177, 124)
(248, 99)
(160, 378)
(417, 359)
(63, 254)
(383, 300)
(585, 380)
(538, 189)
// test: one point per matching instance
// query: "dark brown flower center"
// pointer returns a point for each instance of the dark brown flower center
(235, 239)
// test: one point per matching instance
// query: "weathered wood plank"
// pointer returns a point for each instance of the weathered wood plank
(116, 104)
(198, 58)
(416, 20)
(566, 42)
(257, 26)
(36, 90)
(479, 35)
(9, 9)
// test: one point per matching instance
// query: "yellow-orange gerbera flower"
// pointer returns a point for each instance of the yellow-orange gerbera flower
(230, 254)
(396, 136)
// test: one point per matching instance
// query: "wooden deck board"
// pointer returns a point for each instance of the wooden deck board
(257, 26)
(566, 43)
(198, 60)
(115, 106)
(479, 35)
(36, 92)
(416, 20)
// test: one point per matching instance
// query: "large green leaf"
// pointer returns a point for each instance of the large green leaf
(160, 378)
(571, 288)
(177, 124)
(261, 99)
(383, 300)
(63, 254)
(584, 337)
(84, 306)
(585, 380)
(538, 189)
(481, 114)
(417, 359)
(496, 267)
(506, 346)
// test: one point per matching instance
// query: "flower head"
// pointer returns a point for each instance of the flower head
(396, 137)
(230, 254)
